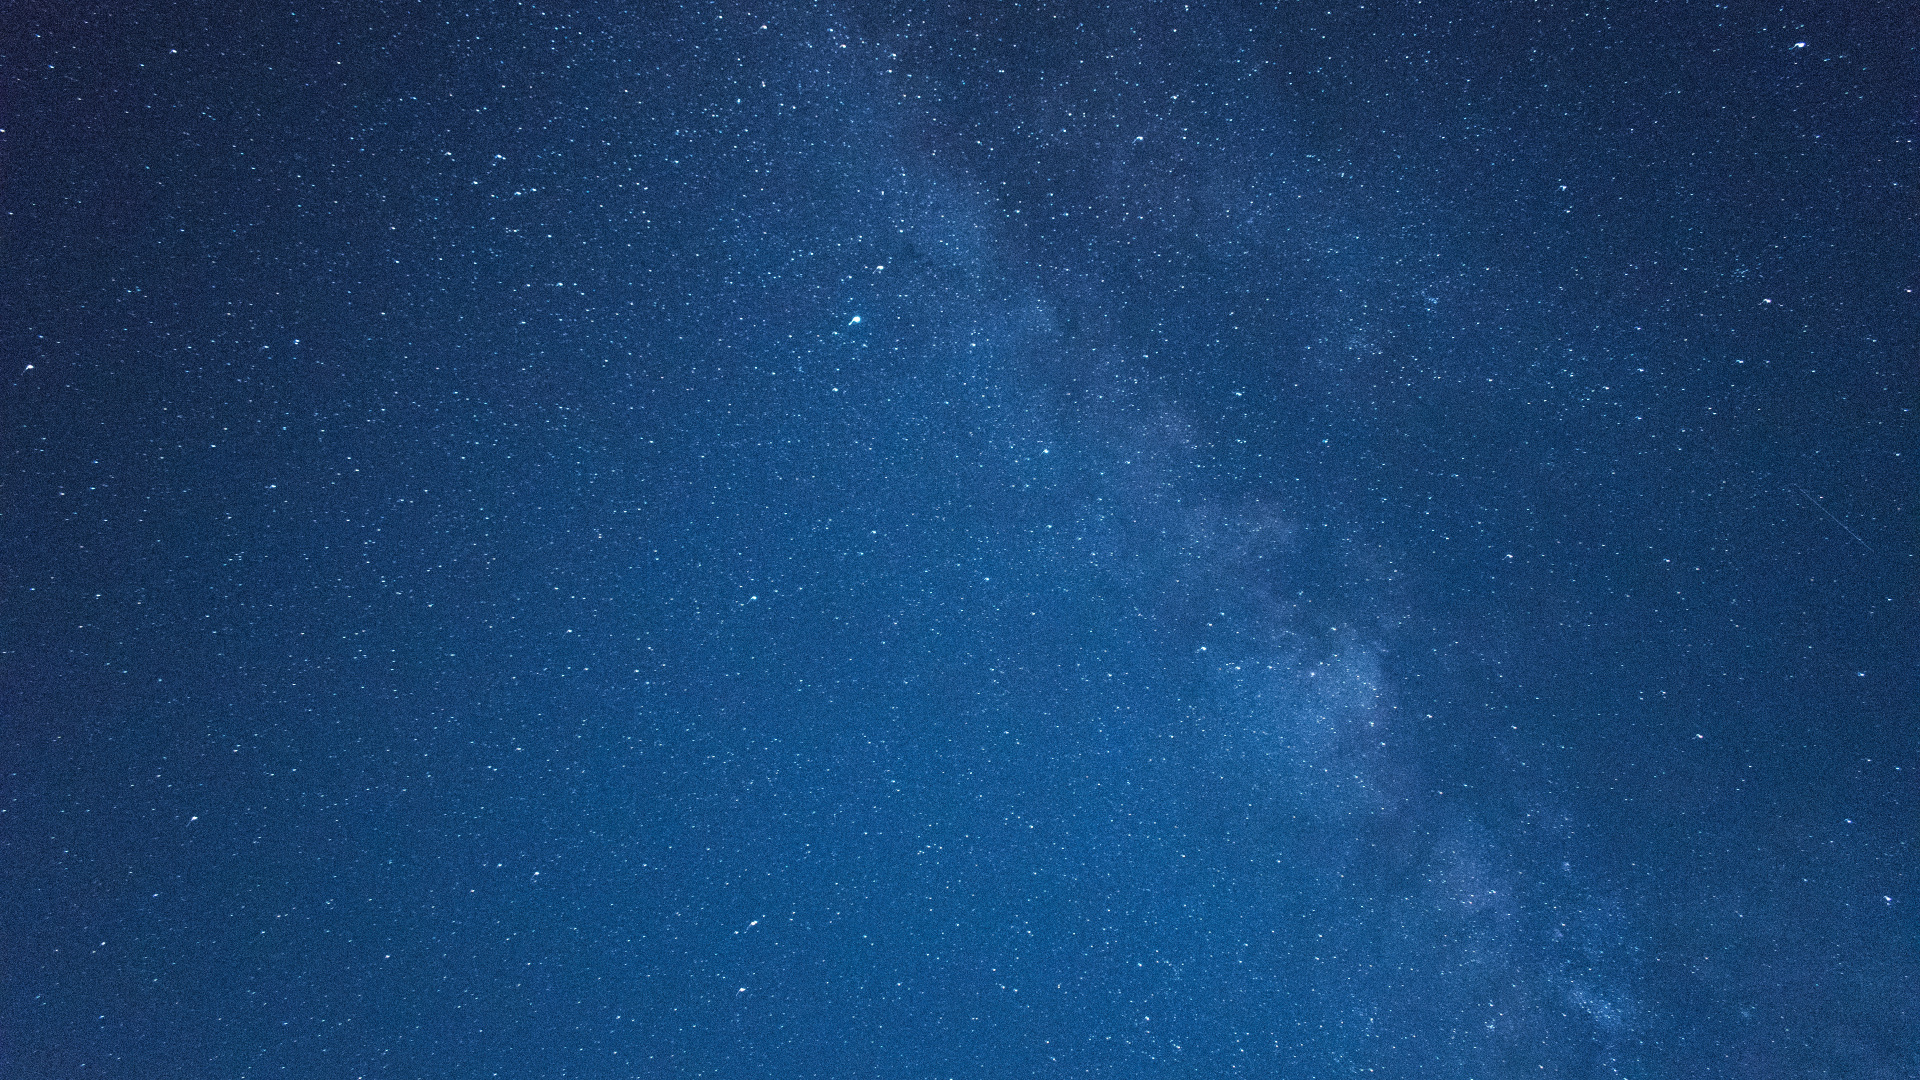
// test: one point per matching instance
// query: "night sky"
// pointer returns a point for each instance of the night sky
(868, 540)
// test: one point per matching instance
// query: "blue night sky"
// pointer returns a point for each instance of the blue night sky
(826, 540)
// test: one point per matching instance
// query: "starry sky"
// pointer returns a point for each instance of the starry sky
(902, 540)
